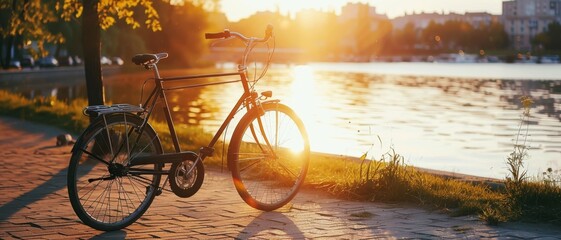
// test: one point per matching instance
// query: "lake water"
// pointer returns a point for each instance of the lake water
(455, 117)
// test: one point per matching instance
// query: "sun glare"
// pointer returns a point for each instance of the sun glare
(237, 9)
(295, 147)
(304, 84)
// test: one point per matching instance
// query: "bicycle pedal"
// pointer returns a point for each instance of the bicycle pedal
(206, 151)
(158, 192)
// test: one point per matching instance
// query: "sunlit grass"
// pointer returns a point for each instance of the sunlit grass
(45, 110)
(389, 180)
(385, 179)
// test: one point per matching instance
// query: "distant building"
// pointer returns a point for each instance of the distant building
(313, 17)
(351, 14)
(422, 20)
(477, 19)
(524, 19)
(354, 11)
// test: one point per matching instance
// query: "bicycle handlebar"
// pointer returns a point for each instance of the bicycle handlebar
(227, 34)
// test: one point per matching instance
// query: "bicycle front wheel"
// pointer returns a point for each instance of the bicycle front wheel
(269, 154)
(104, 192)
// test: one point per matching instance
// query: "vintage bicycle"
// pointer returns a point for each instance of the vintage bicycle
(117, 163)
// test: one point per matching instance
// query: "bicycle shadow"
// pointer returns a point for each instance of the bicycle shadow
(271, 221)
(40, 139)
(54, 184)
(119, 234)
(40, 192)
(38, 135)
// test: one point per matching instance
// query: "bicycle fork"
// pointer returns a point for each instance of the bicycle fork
(270, 147)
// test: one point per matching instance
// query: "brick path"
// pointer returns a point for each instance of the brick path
(34, 205)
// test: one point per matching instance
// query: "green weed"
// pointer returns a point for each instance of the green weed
(524, 200)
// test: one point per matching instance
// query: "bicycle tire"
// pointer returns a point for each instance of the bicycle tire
(111, 204)
(268, 176)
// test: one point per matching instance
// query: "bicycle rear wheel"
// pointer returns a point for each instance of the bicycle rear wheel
(102, 191)
(269, 156)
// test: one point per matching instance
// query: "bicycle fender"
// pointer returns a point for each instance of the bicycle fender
(265, 103)
(81, 137)
(272, 101)
(92, 125)
(98, 111)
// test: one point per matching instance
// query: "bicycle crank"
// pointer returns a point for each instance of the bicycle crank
(186, 178)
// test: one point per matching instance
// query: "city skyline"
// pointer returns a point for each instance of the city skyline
(239, 9)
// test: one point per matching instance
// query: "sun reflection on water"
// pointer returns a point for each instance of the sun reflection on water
(307, 104)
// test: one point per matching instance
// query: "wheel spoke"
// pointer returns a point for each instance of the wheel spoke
(286, 169)
(255, 161)
(136, 154)
(268, 177)
(94, 156)
(89, 193)
(141, 179)
(109, 196)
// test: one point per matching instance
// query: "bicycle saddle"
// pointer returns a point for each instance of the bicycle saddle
(146, 58)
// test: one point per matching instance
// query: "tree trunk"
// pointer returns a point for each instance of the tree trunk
(91, 42)
(9, 46)
(2, 40)
(9, 40)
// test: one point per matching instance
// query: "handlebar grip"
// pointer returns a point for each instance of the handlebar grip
(225, 34)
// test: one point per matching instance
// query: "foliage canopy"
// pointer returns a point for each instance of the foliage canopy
(36, 20)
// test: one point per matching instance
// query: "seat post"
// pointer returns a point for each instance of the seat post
(154, 66)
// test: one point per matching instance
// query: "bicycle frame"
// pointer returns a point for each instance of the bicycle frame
(248, 99)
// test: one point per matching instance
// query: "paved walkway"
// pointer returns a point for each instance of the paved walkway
(34, 205)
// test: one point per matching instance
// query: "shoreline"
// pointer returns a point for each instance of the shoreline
(490, 71)
(495, 183)
(32, 126)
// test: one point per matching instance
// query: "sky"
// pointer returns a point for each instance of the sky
(238, 9)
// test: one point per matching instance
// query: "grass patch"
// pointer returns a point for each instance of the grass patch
(49, 111)
(534, 201)
(390, 180)
(385, 179)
